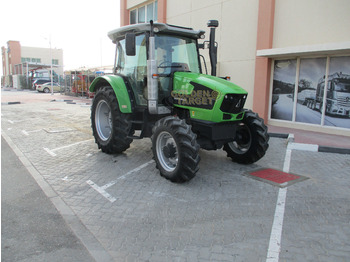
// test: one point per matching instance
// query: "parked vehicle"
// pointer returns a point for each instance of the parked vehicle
(40, 81)
(159, 89)
(46, 88)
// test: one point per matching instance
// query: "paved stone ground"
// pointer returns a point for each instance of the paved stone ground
(32, 229)
(220, 215)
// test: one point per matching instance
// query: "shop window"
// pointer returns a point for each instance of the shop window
(310, 88)
(141, 15)
(150, 12)
(28, 59)
(133, 16)
(144, 13)
(319, 97)
(338, 93)
(283, 89)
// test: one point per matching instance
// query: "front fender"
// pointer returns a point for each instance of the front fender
(119, 87)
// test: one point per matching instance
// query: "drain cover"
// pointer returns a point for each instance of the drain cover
(276, 177)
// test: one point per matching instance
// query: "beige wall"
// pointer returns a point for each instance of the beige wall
(310, 22)
(252, 33)
(236, 34)
(44, 54)
(134, 3)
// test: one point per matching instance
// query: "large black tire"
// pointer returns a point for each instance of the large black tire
(251, 140)
(175, 149)
(110, 127)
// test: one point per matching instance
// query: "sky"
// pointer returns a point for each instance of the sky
(78, 27)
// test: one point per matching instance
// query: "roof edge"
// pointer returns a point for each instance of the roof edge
(118, 33)
(319, 49)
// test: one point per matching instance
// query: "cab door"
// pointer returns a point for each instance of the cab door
(134, 68)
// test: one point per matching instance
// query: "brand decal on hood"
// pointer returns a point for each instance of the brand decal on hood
(200, 97)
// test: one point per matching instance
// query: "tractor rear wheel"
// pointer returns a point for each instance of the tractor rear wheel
(175, 149)
(251, 141)
(110, 127)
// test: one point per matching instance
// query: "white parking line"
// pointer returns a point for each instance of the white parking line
(304, 147)
(49, 151)
(127, 174)
(276, 231)
(24, 132)
(277, 226)
(102, 189)
(162, 195)
(52, 151)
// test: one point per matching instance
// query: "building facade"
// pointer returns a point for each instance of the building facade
(292, 56)
(23, 60)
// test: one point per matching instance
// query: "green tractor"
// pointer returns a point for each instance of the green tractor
(158, 89)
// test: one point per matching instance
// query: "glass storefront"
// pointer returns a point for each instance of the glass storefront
(283, 89)
(304, 92)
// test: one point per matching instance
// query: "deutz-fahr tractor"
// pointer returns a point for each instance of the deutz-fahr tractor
(158, 90)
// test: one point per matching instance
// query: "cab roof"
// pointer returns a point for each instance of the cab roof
(119, 33)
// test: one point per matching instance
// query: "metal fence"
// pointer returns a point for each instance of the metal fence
(74, 84)
(77, 84)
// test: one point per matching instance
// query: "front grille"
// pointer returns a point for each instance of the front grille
(233, 103)
(344, 101)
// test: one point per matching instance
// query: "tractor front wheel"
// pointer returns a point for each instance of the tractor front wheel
(110, 127)
(175, 149)
(251, 141)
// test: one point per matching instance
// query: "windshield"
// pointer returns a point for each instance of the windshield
(342, 86)
(176, 54)
(172, 54)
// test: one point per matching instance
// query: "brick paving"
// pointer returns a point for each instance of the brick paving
(220, 215)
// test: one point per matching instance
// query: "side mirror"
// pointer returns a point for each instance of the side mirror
(130, 44)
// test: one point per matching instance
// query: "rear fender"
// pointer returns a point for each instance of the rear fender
(119, 87)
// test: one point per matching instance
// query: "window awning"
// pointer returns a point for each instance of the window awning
(294, 51)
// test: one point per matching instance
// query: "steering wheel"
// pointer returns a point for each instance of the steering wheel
(163, 65)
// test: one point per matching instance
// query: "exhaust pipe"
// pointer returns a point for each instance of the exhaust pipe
(213, 47)
(152, 78)
(152, 75)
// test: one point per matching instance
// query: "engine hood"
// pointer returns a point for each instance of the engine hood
(185, 82)
(207, 97)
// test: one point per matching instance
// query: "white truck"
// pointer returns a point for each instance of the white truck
(338, 95)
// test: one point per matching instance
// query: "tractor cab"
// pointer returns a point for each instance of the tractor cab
(169, 49)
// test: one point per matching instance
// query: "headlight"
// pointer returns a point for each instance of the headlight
(233, 103)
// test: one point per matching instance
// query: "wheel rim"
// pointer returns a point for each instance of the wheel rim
(167, 152)
(243, 140)
(103, 120)
(46, 90)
